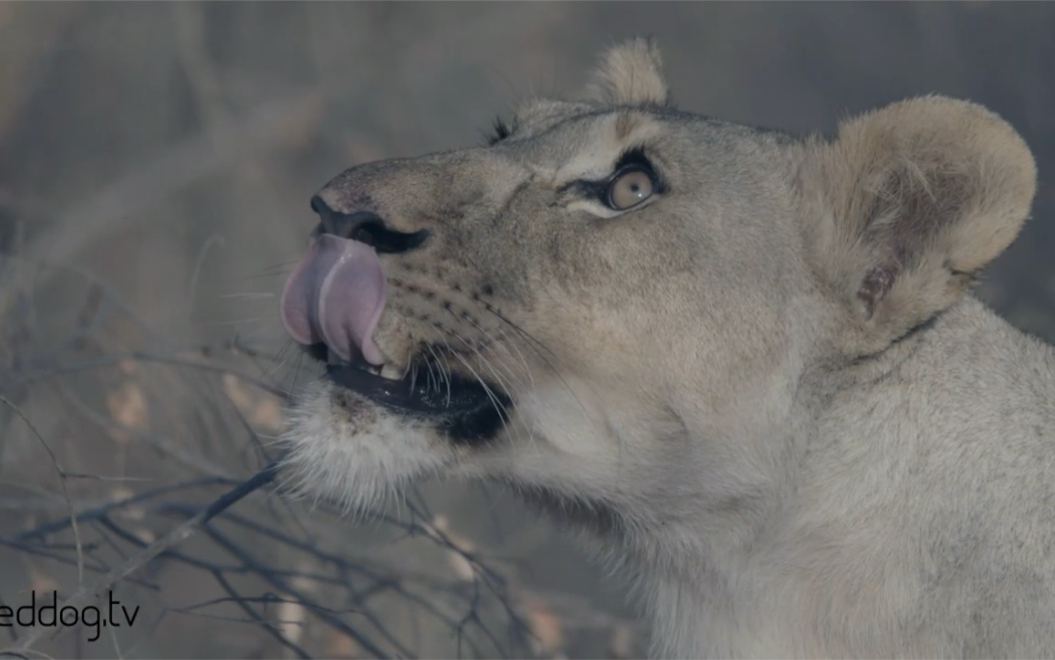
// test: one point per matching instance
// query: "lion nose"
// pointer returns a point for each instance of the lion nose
(366, 227)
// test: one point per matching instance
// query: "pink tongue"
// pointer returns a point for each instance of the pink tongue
(336, 295)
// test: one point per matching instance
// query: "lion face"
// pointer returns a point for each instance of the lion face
(614, 303)
(530, 310)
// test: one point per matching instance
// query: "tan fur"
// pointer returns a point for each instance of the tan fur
(931, 189)
(630, 74)
(765, 389)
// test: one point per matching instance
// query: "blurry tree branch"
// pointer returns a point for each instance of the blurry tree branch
(128, 197)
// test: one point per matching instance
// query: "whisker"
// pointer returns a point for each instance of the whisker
(538, 346)
(516, 327)
(298, 363)
(431, 381)
(413, 376)
(484, 360)
(490, 395)
(237, 321)
(501, 382)
(450, 351)
(248, 296)
(280, 358)
(440, 366)
(508, 348)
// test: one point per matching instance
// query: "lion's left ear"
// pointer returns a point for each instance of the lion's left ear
(631, 73)
(910, 203)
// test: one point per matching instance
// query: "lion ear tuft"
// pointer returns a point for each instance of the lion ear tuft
(630, 73)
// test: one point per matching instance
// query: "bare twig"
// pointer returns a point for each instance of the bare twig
(321, 612)
(102, 509)
(243, 603)
(62, 480)
(86, 594)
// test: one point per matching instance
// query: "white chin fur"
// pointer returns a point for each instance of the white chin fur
(348, 450)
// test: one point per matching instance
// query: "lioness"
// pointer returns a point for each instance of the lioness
(746, 361)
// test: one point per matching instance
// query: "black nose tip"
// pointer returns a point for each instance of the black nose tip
(318, 205)
(365, 227)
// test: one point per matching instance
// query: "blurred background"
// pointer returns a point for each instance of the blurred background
(156, 162)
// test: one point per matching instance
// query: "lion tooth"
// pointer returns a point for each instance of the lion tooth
(391, 373)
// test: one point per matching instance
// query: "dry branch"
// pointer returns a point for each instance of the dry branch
(337, 597)
(86, 594)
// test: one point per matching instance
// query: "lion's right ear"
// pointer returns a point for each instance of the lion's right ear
(908, 204)
(631, 73)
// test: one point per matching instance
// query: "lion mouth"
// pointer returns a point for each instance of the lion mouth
(331, 304)
(466, 409)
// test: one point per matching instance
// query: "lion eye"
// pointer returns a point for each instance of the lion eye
(629, 189)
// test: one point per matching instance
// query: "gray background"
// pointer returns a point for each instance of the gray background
(170, 151)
